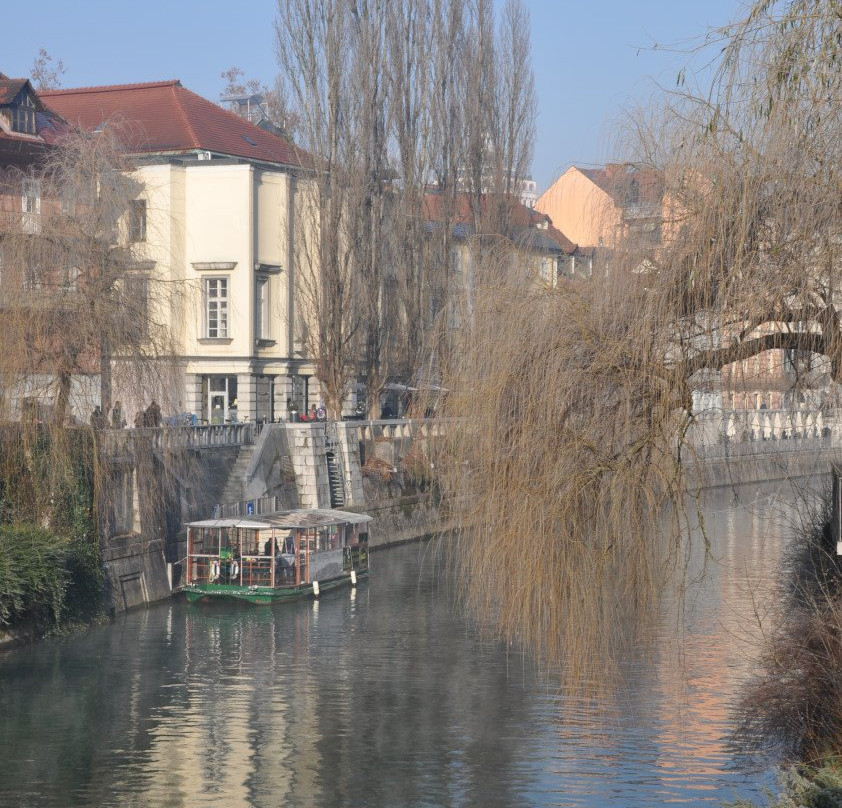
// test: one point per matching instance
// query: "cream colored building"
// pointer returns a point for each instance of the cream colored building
(217, 217)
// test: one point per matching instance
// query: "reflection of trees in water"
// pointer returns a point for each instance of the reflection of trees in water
(384, 698)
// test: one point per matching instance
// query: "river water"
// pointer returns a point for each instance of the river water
(387, 696)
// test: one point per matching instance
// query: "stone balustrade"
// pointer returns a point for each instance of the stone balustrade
(753, 431)
(119, 441)
(398, 428)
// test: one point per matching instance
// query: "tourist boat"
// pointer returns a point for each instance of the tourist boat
(275, 557)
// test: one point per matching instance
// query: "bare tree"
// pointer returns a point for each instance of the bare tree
(79, 306)
(257, 102)
(314, 46)
(513, 136)
(46, 72)
(393, 102)
(76, 296)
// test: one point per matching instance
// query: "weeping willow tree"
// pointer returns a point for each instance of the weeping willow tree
(577, 401)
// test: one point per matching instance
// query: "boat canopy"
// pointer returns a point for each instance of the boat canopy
(300, 518)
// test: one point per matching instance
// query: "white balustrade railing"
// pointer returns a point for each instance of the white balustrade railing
(117, 441)
(754, 431)
(399, 428)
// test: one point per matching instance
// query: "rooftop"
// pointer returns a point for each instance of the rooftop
(162, 117)
(627, 183)
(528, 226)
(27, 145)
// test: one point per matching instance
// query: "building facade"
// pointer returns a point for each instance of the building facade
(596, 207)
(217, 221)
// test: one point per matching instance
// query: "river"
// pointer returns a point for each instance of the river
(386, 696)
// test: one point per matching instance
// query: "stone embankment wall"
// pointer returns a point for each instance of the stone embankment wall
(762, 462)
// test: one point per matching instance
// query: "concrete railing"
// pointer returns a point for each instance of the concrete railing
(399, 428)
(116, 441)
(745, 432)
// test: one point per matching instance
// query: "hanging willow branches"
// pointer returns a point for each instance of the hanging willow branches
(576, 403)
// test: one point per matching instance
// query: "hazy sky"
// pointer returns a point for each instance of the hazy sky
(591, 57)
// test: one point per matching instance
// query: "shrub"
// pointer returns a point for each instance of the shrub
(795, 700)
(33, 577)
(805, 788)
(45, 580)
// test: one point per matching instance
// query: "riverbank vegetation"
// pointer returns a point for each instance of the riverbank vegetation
(50, 565)
(46, 581)
(792, 706)
(84, 314)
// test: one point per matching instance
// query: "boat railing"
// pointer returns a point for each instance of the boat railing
(251, 570)
(255, 571)
(249, 507)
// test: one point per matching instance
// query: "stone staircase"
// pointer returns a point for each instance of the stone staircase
(335, 470)
(235, 486)
(334, 475)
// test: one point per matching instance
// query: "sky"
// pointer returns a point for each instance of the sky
(592, 58)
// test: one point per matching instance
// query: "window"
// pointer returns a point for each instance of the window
(137, 303)
(216, 308)
(70, 278)
(262, 329)
(33, 278)
(23, 117)
(137, 220)
(31, 205)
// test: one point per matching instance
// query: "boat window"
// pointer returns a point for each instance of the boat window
(204, 540)
(228, 539)
(249, 541)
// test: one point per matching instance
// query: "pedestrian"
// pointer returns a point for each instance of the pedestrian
(97, 418)
(153, 414)
(117, 416)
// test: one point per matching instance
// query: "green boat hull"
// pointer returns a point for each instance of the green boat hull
(264, 595)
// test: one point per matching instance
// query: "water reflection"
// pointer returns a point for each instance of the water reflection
(384, 697)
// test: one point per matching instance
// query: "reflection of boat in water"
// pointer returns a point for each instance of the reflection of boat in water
(275, 557)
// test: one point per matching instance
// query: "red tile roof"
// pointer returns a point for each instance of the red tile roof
(521, 218)
(616, 180)
(164, 117)
(9, 88)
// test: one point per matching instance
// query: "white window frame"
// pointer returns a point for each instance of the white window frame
(216, 307)
(30, 201)
(262, 308)
(137, 221)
